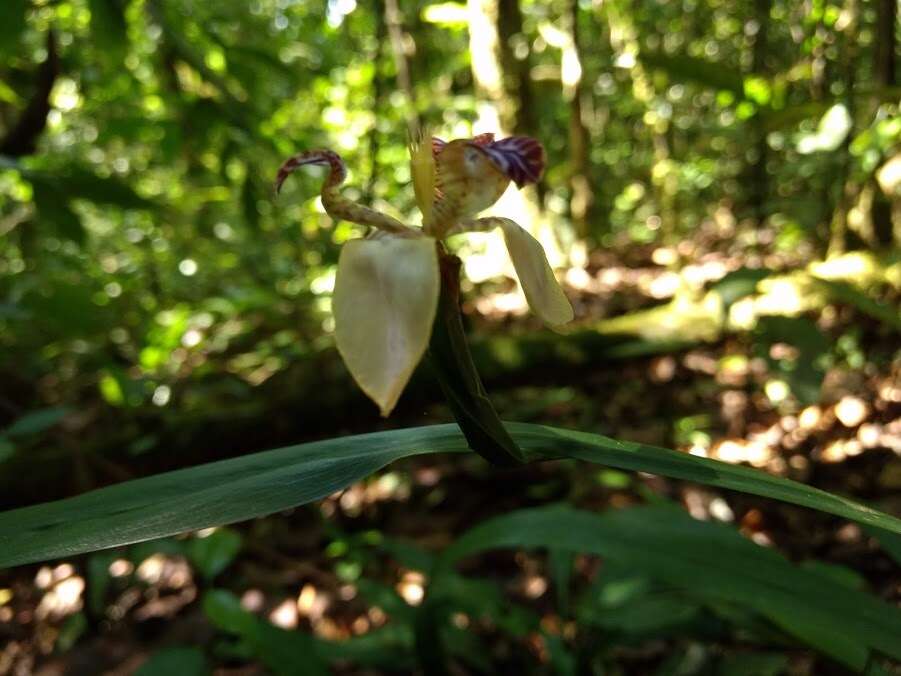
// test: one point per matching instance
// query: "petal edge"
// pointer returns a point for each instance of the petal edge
(536, 277)
(384, 304)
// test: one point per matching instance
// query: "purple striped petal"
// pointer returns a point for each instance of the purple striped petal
(521, 158)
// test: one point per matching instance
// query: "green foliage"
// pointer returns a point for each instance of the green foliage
(285, 653)
(712, 562)
(12, 24)
(212, 554)
(802, 365)
(263, 483)
(186, 661)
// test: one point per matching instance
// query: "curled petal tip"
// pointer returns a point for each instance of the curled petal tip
(522, 158)
(322, 157)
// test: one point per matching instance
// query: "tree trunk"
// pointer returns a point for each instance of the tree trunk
(758, 180)
(516, 69)
(378, 88)
(582, 197)
(497, 113)
(886, 75)
(400, 41)
(840, 237)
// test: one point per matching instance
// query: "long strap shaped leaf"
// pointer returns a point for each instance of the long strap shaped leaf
(459, 379)
(254, 485)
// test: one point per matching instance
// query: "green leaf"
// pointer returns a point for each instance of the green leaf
(225, 612)
(169, 661)
(459, 379)
(753, 664)
(36, 422)
(739, 284)
(55, 214)
(12, 23)
(563, 662)
(108, 29)
(390, 647)
(890, 542)
(561, 564)
(541, 440)
(805, 371)
(286, 653)
(843, 292)
(652, 615)
(255, 485)
(212, 554)
(7, 449)
(208, 495)
(73, 628)
(709, 559)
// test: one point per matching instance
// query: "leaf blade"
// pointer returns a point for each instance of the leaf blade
(709, 559)
(262, 483)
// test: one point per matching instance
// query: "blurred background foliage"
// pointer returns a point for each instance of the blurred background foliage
(721, 202)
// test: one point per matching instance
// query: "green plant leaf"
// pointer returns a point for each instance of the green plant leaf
(36, 422)
(459, 379)
(7, 449)
(890, 542)
(803, 372)
(843, 292)
(286, 653)
(208, 495)
(740, 284)
(262, 483)
(12, 23)
(56, 214)
(212, 554)
(108, 28)
(710, 560)
(753, 664)
(179, 660)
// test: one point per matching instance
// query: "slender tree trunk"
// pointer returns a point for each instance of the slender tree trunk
(516, 68)
(494, 107)
(401, 41)
(624, 42)
(22, 139)
(378, 87)
(516, 79)
(886, 42)
(497, 113)
(839, 233)
(757, 173)
(582, 197)
(885, 56)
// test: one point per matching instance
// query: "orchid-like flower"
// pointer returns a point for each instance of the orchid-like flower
(387, 284)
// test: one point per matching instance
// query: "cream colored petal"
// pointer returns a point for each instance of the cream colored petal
(386, 295)
(544, 294)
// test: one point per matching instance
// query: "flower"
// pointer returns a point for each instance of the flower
(387, 284)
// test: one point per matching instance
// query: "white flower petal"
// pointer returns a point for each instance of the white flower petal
(542, 290)
(386, 295)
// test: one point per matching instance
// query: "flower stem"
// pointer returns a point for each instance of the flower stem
(459, 379)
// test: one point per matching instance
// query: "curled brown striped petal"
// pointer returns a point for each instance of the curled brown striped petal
(521, 158)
